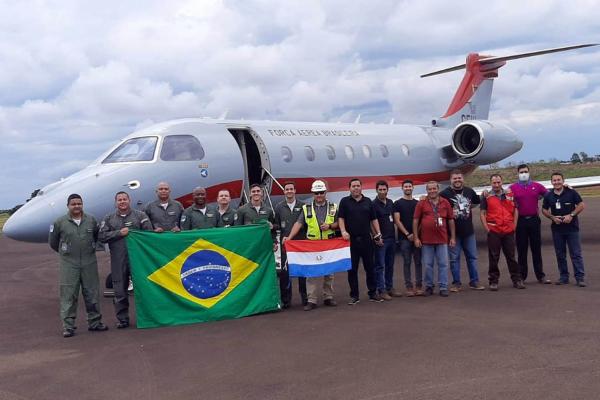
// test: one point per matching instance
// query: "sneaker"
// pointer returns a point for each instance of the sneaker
(353, 301)
(581, 284)
(410, 292)
(330, 302)
(545, 281)
(419, 292)
(385, 296)
(428, 292)
(476, 286)
(99, 327)
(518, 285)
(375, 298)
(494, 287)
(444, 293)
(561, 283)
(68, 332)
(394, 293)
(455, 288)
(310, 306)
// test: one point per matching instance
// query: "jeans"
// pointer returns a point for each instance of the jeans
(408, 250)
(469, 246)
(430, 253)
(561, 240)
(384, 265)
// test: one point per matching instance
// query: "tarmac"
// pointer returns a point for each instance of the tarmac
(538, 343)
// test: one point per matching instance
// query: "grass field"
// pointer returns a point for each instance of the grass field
(3, 218)
(539, 172)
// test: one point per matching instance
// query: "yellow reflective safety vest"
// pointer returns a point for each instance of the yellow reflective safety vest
(313, 231)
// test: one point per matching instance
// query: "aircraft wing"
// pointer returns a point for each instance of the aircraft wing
(587, 181)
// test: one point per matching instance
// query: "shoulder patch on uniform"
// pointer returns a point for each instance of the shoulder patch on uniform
(183, 218)
(102, 224)
(235, 217)
(144, 220)
(51, 228)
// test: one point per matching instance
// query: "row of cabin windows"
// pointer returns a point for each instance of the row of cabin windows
(309, 152)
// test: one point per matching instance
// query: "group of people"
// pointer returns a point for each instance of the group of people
(435, 229)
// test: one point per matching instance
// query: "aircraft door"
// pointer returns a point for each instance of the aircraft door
(255, 159)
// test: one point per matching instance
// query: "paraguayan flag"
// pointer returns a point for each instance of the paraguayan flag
(311, 258)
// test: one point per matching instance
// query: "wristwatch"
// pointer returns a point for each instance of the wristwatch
(573, 215)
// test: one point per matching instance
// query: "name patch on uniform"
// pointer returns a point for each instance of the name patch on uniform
(262, 212)
(90, 230)
(171, 213)
(210, 215)
(128, 223)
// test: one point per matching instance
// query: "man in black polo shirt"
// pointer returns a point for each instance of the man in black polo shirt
(562, 205)
(356, 220)
(384, 255)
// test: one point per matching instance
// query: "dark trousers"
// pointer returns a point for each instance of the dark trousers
(506, 243)
(120, 279)
(285, 283)
(561, 240)
(361, 248)
(408, 250)
(529, 235)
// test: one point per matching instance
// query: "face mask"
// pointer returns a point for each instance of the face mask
(524, 176)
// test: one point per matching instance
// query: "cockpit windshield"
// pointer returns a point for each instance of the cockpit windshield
(135, 149)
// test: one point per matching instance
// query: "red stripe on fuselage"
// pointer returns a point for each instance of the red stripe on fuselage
(334, 184)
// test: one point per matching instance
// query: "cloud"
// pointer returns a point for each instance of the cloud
(77, 77)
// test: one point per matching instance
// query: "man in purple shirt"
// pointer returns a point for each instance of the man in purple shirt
(527, 194)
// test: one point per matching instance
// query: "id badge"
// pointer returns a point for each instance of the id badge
(440, 221)
(557, 205)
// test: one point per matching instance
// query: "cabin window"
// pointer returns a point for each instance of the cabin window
(384, 150)
(135, 149)
(330, 152)
(181, 148)
(286, 154)
(349, 152)
(309, 153)
(405, 150)
(366, 151)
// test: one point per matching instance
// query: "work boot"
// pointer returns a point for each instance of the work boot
(68, 332)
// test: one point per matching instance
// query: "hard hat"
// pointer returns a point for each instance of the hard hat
(318, 186)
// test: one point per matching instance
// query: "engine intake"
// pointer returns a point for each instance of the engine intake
(484, 142)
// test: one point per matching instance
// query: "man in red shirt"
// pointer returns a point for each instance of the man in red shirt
(433, 216)
(498, 216)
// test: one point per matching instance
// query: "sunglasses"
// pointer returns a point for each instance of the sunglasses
(318, 192)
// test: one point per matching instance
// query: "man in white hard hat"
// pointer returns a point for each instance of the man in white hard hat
(320, 220)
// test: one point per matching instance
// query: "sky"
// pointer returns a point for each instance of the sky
(76, 76)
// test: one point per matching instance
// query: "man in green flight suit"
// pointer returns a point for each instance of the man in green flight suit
(198, 215)
(74, 237)
(256, 211)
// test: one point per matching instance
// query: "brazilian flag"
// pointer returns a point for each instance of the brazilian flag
(202, 275)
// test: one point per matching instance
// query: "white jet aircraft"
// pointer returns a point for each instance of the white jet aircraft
(232, 154)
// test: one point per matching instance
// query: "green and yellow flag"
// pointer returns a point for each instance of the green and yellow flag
(202, 275)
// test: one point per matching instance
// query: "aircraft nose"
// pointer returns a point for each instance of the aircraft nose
(29, 223)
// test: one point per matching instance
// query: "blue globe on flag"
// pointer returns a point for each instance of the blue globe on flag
(205, 274)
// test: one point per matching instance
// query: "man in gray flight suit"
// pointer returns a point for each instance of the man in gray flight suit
(198, 215)
(226, 215)
(74, 237)
(286, 214)
(164, 213)
(113, 229)
(256, 211)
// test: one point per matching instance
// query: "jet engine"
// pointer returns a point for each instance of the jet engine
(484, 142)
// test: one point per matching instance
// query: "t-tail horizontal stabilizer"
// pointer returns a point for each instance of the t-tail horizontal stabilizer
(472, 98)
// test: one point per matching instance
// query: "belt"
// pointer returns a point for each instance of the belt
(528, 216)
